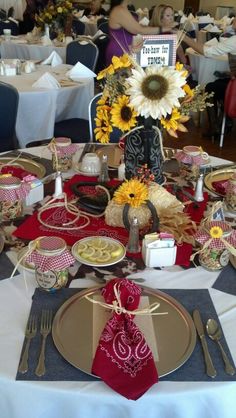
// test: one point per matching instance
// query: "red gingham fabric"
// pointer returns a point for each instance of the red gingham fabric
(63, 150)
(202, 236)
(18, 193)
(51, 261)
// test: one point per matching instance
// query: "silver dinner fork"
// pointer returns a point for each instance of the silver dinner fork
(30, 332)
(45, 329)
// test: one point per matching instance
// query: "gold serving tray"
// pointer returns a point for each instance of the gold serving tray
(72, 330)
(32, 166)
(218, 175)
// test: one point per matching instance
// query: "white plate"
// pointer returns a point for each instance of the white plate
(77, 166)
(27, 266)
(97, 264)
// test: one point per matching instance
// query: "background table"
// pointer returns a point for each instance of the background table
(39, 109)
(203, 68)
(81, 399)
(19, 7)
(38, 51)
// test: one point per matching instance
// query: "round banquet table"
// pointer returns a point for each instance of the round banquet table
(39, 108)
(203, 68)
(19, 48)
(167, 399)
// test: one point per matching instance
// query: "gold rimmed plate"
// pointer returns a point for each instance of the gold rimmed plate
(75, 330)
(218, 175)
(34, 167)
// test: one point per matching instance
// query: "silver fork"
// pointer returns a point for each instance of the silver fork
(30, 332)
(45, 329)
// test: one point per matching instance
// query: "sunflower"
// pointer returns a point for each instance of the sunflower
(107, 71)
(174, 123)
(103, 127)
(132, 192)
(155, 91)
(123, 115)
(121, 62)
(216, 232)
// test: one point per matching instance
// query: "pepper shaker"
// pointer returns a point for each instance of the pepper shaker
(133, 242)
(104, 176)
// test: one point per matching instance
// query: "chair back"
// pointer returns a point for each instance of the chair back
(84, 51)
(9, 99)
(78, 27)
(104, 27)
(9, 25)
(101, 42)
(115, 135)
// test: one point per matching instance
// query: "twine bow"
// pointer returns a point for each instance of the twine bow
(116, 306)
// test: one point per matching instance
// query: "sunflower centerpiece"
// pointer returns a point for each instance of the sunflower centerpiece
(56, 16)
(142, 103)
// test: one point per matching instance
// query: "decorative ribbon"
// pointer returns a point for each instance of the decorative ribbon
(117, 307)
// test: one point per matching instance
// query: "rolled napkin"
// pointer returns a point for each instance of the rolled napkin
(46, 41)
(123, 359)
(47, 81)
(53, 59)
(144, 21)
(80, 72)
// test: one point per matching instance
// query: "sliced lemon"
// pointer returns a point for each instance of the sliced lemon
(88, 253)
(81, 247)
(111, 247)
(117, 252)
(98, 243)
(104, 258)
(97, 254)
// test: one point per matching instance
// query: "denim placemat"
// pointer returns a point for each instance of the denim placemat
(226, 281)
(59, 369)
(6, 267)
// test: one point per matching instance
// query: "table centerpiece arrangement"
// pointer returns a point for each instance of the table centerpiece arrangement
(56, 18)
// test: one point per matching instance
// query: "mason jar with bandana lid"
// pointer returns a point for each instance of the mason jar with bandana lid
(12, 194)
(62, 153)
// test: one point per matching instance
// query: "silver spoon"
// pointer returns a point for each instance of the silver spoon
(215, 333)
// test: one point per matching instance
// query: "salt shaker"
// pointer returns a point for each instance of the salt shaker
(198, 195)
(58, 185)
(104, 176)
(133, 242)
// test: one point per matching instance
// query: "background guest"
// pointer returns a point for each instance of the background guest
(95, 9)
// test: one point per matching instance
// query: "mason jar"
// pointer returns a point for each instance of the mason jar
(51, 259)
(62, 153)
(12, 194)
(214, 258)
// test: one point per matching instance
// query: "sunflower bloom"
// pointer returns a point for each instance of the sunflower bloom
(174, 123)
(132, 192)
(216, 232)
(107, 71)
(121, 62)
(189, 92)
(103, 127)
(123, 115)
(180, 67)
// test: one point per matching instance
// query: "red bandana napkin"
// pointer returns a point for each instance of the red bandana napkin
(123, 359)
(220, 186)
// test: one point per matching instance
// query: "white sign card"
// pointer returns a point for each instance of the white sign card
(157, 49)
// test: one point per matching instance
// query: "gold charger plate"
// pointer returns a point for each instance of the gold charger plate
(113, 152)
(174, 333)
(29, 165)
(218, 175)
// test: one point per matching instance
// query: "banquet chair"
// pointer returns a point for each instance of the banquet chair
(84, 51)
(9, 25)
(77, 129)
(9, 99)
(78, 27)
(103, 26)
(115, 135)
(101, 42)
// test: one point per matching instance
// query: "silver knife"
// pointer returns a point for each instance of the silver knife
(210, 369)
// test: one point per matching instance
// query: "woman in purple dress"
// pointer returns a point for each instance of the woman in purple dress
(122, 27)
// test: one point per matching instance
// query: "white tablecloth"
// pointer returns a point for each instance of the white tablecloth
(27, 399)
(39, 109)
(19, 7)
(204, 68)
(15, 49)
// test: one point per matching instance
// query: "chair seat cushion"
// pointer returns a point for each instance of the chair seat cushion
(76, 129)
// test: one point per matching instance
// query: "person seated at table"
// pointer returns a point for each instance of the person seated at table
(122, 27)
(95, 9)
(219, 86)
(163, 16)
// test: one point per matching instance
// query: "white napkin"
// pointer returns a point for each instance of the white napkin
(183, 19)
(53, 59)
(46, 40)
(212, 42)
(97, 34)
(208, 27)
(214, 28)
(47, 81)
(80, 72)
(190, 16)
(13, 20)
(84, 19)
(139, 10)
(205, 19)
(144, 21)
